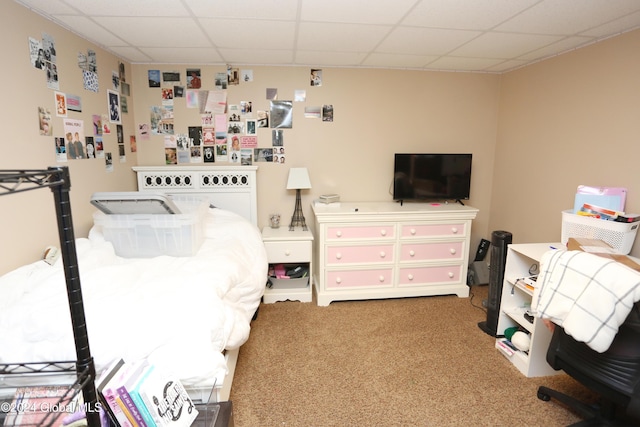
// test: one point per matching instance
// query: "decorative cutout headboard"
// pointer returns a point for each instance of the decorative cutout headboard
(228, 187)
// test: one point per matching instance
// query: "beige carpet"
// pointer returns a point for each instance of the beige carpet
(398, 362)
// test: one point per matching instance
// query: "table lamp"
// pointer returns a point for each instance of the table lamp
(298, 180)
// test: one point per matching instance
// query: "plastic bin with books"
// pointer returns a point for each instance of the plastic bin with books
(598, 213)
(139, 394)
(143, 225)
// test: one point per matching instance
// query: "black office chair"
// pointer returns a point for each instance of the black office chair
(614, 375)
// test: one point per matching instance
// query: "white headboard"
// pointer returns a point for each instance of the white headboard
(228, 187)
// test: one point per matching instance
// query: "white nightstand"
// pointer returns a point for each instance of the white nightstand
(288, 247)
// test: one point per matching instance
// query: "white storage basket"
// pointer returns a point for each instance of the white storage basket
(619, 235)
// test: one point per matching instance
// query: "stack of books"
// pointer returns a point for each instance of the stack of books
(328, 199)
(139, 395)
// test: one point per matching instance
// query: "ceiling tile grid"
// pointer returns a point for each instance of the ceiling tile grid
(449, 35)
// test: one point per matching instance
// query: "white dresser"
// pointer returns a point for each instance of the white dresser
(387, 250)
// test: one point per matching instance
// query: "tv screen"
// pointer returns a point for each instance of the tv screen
(431, 177)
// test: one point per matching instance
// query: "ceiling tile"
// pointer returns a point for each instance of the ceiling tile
(50, 7)
(270, 34)
(424, 41)
(130, 8)
(568, 16)
(82, 25)
(397, 61)
(503, 45)
(245, 9)
(626, 23)
(506, 66)
(183, 55)
(355, 11)
(131, 53)
(328, 59)
(156, 32)
(561, 46)
(463, 64)
(340, 37)
(353, 33)
(257, 56)
(465, 14)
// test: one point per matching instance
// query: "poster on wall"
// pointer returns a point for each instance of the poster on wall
(61, 104)
(61, 152)
(74, 138)
(44, 121)
(316, 77)
(113, 99)
(36, 52)
(281, 114)
(108, 162)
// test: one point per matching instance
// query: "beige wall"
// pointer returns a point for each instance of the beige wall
(377, 113)
(563, 122)
(28, 219)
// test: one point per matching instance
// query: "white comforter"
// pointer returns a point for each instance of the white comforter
(179, 312)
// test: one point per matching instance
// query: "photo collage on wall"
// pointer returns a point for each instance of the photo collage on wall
(75, 141)
(226, 132)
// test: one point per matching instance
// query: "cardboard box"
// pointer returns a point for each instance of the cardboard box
(600, 248)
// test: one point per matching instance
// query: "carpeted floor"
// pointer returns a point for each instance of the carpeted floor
(397, 362)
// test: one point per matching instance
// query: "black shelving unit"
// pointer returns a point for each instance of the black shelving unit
(57, 179)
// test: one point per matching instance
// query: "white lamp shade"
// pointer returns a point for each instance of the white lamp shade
(298, 179)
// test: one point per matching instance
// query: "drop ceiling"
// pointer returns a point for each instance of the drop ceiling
(453, 35)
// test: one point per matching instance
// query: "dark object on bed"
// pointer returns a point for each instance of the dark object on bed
(614, 374)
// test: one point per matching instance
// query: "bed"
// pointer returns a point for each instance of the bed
(189, 315)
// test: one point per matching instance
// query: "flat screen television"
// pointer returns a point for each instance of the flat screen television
(423, 177)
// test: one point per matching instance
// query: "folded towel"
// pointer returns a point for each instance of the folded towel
(587, 295)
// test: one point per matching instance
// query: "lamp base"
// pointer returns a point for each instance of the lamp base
(297, 219)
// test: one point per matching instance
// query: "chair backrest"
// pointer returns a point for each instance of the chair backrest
(614, 374)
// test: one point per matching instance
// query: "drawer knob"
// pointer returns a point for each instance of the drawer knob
(338, 233)
(454, 230)
(338, 255)
(412, 231)
(383, 232)
(338, 280)
(381, 278)
(450, 275)
(382, 254)
(412, 253)
(410, 277)
(287, 252)
(453, 251)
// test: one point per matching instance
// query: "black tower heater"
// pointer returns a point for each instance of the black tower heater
(499, 241)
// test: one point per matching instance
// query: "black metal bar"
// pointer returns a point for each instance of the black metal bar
(74, 293)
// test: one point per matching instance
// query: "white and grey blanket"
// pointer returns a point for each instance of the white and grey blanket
(588, 295)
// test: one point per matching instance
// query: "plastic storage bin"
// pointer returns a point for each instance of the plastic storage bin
(149, 235)
(619, 235)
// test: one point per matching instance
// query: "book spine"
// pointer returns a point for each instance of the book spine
(112, 400)
(144, 411)
(131, 407)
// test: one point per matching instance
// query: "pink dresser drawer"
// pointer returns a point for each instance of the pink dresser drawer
(431, 274)
(359, 278)
(338, 255)
(431, 251)
(368, 232)
(433, 230)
